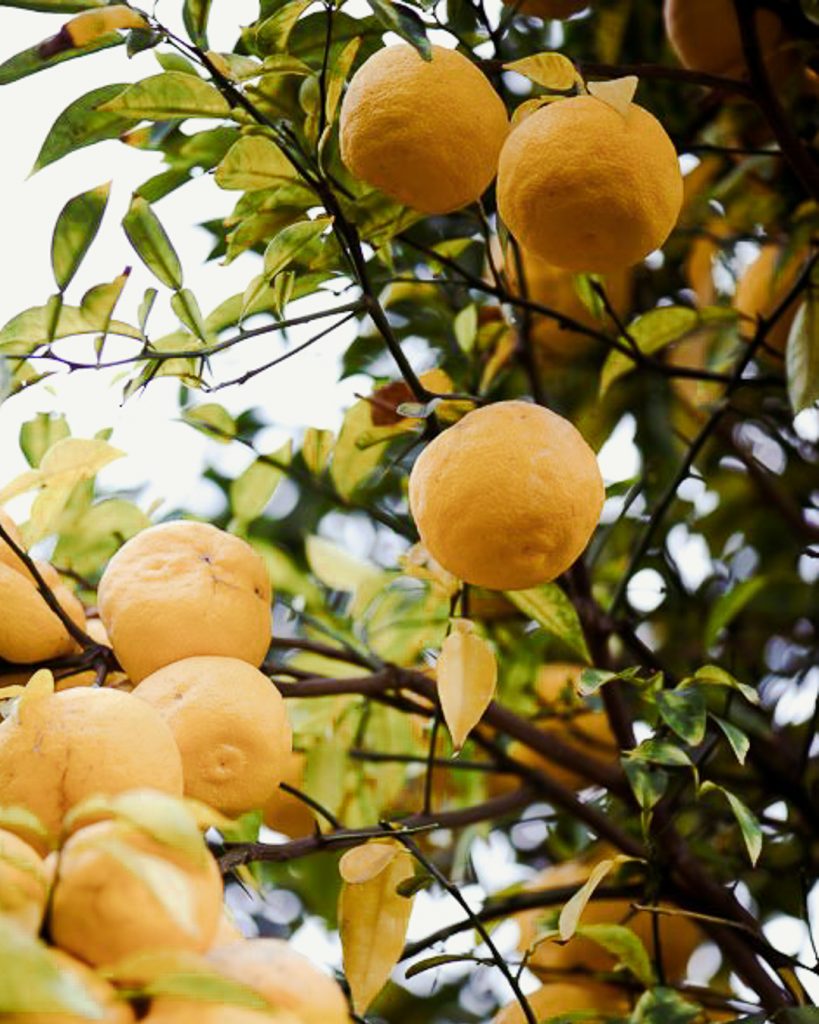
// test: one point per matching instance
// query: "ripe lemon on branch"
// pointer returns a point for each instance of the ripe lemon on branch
(587, 187)
(508, 497)
(428, 133)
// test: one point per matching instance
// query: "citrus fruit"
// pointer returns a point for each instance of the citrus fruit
(679, 936)
(554, 287)
(81, 981)
(24, 882)
(181, 589)
(285, 978)
(286, 813)
(428, 133)
(587, 188)
(230, 725)
(7, 555)
(563, 998)
(508, 497)
(172, 1010)
(120, 891)
(547, 9)
(58, 749)
(705, 35)
(29, 629)
(762, 287)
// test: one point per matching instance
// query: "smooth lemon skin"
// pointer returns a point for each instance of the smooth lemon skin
(705, 35)
(104, 908)
(285, 978)
(82, 742)
(762, 287)
(563, 997)
(230, 725)
(183, 589)
(588, 189)
(508, 497)
(29, 629)
(428, 133)
(284, 812)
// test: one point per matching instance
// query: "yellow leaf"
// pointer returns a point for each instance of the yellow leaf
(77, 455)
(363, 863)
(553, 71)
(523, 110)
(254, 162)
(373, 919)
(334, 567)
(467, 674)
(618, 93)
(316, 448)
(360, 446)
(503, 351)
(572, 911)
(90, 25)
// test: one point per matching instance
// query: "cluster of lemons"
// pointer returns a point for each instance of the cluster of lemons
(106, 790)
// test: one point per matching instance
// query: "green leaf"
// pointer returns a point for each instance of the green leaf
(49, 53)
(212, 419)
(802, 352)
(465, 326)
(38, 982)
(664, 1006)
(592, 679)
(554, 612)
(624, 944)
(335, 568)
(360, 447)
(651, 332)
(32, 328)
(647, 784)
(316, 448)
(186, 307)
(273, 33)
(289, 241)
(170, 94)
(148, 237)
(338, 71)
(684, 711)
(660, 752)
(405, 22)
(740, 743)
(195, 18)
(39, 434)
(99, 302)
(746, 819)
(252, 490)
(75, 230)
(716, 676)
(145, 307)
(252, 163)
(82, 124)
(727, 606)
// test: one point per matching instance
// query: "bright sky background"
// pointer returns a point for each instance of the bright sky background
(164, 456)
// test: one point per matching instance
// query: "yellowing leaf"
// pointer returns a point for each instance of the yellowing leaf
(90, 25)
(553, 71)
(618, 93)
(373, 920)
(316, 448)
(360, 446)
(334, 567)
(523, 110)
(467, 674)
(571, 912)
(168, 95)
(254, 162)
(363, 863)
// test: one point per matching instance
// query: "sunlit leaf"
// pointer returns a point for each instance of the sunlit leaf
(316, 448)
(716, 676)
(337, 569)
(373, 920)
(664, 1006)
(287, 244)
(740, 744)
(572, 910)
(82, 124)
(39, 434)
(553, 611)
(802, 353)
(253, 162)
(650, 332)
(467, 675)
(168, 95)
(273, 33)
(617, 93)
(186, 307)
(552, 71)
(148, 237)
(75, 230)
(252, 490)
(625, 945)
(212, 419)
